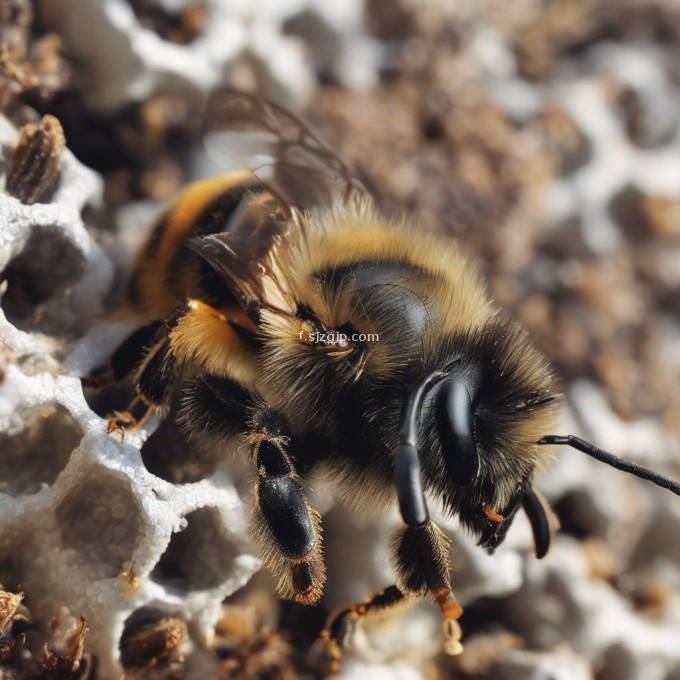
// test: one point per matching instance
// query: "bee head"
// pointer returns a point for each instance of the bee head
(480, 427)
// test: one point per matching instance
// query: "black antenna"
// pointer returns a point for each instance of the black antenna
(610, 459)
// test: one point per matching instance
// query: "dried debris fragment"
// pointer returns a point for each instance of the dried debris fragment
(31, 72)
(35, 165)
(9, 604)
(16, 17)
(249, 649)
(64, 657)
(179, 27)
(146, 645)
(28, 652)
(559, 26)
(12, 641)
(567, 146)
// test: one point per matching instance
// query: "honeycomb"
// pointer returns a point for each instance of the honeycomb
(83, 524)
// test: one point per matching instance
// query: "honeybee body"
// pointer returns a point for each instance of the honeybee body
(286, 311)
(358, 276)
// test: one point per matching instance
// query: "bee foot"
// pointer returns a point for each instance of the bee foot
(326, 654)
(121, 423)
(452, 635)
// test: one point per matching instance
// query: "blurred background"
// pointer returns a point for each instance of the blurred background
(545, 137)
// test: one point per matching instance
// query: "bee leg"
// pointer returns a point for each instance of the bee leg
(420, 554)
(137, 412)
(288, 530)
(421, 551)
(153, 382)
(421, 557)
(125, 359)
(194, 333)
(213, 409)
(132, 350)
(341, 623)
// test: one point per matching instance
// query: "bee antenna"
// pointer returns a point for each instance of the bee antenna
(610, 459)
(407, 480)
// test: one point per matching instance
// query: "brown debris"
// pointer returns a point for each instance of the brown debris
(556, 28)
(9, 603)
(28, 652)
(11, 641)
(393, 19)
(181, 28)
(644, 216)
(151, 644)
(447, 156)
(65, 659)
(564, 141)
(30, 72)
(249, 649)
(147, 141)
(651, 597)
(603, 563)
(16, 17)
(35, 165)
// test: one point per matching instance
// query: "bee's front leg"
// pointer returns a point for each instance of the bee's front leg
(341, 623)
(421, 551)
(421, 559)
(420, 554)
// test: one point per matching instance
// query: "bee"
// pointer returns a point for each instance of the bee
(285, 311)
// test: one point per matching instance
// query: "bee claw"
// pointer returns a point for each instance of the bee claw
(452, 635)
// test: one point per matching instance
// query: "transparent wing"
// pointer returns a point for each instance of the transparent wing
(281, 150)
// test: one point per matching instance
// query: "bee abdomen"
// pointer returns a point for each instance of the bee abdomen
(166, 270)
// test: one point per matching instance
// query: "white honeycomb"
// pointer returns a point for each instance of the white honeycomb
(279, 45)
(83, 524)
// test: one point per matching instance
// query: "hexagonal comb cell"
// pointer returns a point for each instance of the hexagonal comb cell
(200, 557)
(101, 521)
(168, 454)
(46, 267)
(36, 455)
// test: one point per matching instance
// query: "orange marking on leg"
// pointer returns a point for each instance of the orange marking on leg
(447, 603)
(493, 516)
